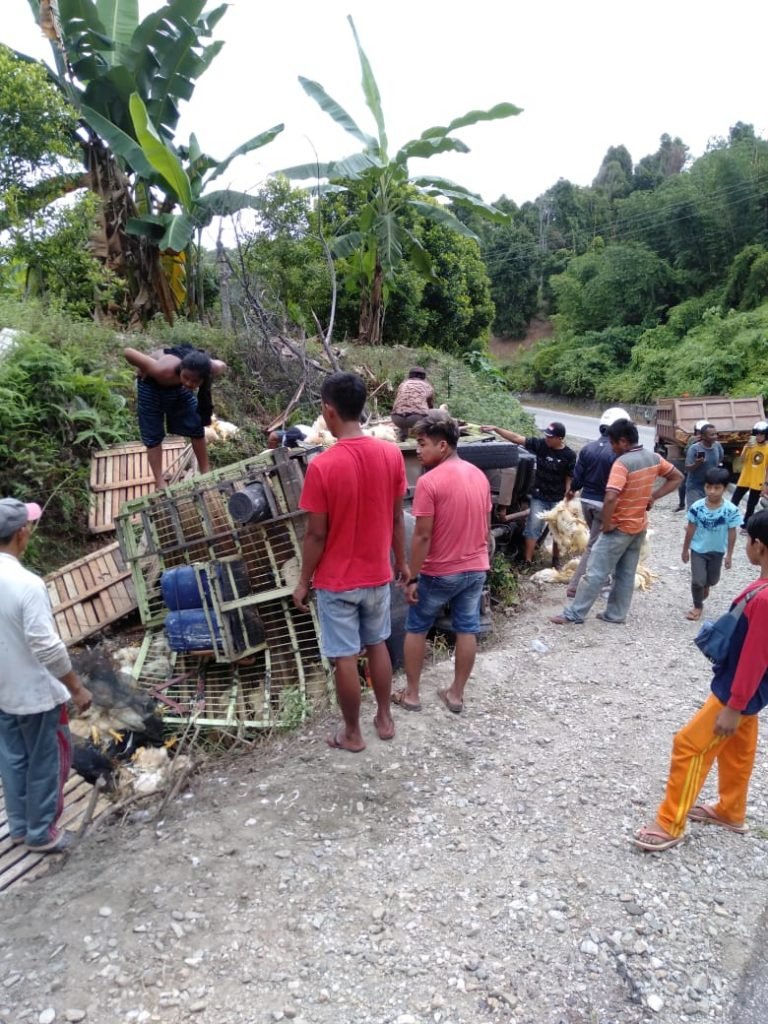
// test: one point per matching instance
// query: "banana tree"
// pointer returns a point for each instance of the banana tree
(104, 55)
(378, 238)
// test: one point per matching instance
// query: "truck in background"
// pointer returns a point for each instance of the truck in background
(676, 420)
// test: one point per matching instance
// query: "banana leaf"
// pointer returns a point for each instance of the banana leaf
(122, 145)
(263, 139)
(429, 147)
(440, 215)
(337, 112)
(500, 110)
(370, 90)
(160, 156)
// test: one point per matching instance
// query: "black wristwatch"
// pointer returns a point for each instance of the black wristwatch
(414, 579)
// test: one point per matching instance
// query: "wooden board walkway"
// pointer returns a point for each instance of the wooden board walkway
(17, 864)
(88, 594)
(121, 473)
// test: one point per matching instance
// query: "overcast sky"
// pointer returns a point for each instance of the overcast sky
(588, 75)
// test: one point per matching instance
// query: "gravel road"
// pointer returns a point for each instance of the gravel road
(476, 869)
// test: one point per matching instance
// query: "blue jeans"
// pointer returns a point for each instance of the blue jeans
(534, 524)
(614, 554)
(462, 590)
(35, 758)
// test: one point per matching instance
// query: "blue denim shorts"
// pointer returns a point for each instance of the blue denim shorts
(462, 590)
(352, 619)
(534, 526)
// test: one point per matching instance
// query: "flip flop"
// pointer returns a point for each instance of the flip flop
(455, 709)
(398, 698)
(651, 840)
(335, 744)
(705, 815)
(694, 615)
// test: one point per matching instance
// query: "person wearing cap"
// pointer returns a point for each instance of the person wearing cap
(753, 479)
(593, 467)
(555, 463)
(414, 398)
(292, 437)
(36, 682)
(629, 494)
(706, 453)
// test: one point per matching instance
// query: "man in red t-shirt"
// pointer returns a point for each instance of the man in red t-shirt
(353, 494)
(448, 558)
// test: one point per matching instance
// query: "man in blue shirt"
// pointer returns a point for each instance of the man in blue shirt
(706, 453)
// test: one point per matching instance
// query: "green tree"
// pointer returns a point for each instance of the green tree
(513, 261)
(623, 284)
(378, 236)
(615, 174)
(669, 159)
(126, 78)
(51, 260)
(37, 149)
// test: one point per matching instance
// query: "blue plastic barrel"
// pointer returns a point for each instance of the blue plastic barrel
(180, 589)
(187, 630)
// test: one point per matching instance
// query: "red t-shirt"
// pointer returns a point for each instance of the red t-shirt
(458, 497)
(355, 483)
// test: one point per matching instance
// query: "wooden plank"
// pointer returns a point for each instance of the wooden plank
(17, 864)
(91, 593)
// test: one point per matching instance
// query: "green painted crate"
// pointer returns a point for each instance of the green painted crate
(246, 573)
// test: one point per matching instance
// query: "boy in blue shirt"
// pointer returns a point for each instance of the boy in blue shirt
(709, 537)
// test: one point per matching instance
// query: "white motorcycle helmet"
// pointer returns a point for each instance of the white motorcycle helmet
(761, 427)
(611, 415)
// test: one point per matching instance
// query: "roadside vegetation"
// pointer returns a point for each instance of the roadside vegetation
(655, 276)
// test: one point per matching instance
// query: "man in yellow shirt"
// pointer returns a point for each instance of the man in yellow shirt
(754, 473)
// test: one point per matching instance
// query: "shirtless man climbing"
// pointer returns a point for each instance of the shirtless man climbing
(166, 385)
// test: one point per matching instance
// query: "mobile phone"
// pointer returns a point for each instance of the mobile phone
(700, 456)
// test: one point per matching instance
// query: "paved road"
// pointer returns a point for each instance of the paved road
(582, 426)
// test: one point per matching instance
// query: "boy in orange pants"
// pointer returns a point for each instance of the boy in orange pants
(725, 729)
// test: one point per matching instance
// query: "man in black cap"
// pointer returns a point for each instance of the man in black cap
(555, 462)
(36, 682)
(414, 398)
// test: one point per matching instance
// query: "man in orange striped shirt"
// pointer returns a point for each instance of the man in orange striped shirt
(629, 495)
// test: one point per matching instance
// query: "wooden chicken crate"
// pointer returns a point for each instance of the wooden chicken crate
(121, 473)
(88, 594)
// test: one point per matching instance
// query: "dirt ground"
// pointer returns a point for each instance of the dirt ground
(475, 869)
(506, 349)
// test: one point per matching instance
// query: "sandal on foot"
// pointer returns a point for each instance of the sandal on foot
(336, 742)
(694, 614)
(398, 698)
(652, 840)
(455, 709)
(705, 815)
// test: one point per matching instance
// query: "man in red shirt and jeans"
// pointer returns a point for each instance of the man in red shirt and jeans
(448, 558)
(353, 494)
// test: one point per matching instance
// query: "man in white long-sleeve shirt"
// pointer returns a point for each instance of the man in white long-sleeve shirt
(36, 681)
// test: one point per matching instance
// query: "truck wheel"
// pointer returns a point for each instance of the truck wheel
(489, 454)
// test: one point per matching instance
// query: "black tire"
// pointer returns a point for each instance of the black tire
(490, 454)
